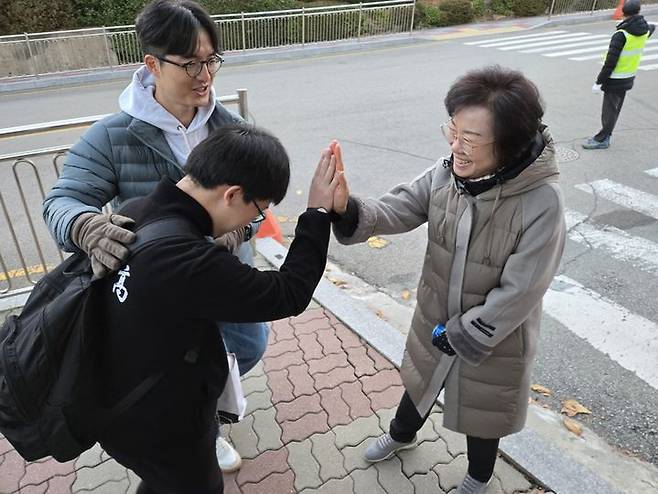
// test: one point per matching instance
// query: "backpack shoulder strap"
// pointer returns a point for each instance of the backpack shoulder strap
(169, 226)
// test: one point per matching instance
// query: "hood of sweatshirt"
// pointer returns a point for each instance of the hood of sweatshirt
(635, 25)
(137, 101)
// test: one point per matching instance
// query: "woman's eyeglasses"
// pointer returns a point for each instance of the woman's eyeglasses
(451, 135)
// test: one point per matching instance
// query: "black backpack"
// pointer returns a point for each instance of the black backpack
(49, 391)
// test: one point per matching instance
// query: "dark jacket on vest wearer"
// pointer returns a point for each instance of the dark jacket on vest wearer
(176, 289)
(635, 25)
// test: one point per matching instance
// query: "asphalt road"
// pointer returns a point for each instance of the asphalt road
(385, 106)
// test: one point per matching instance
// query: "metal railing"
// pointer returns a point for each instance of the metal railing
(28, 251)
(107, 47)
(562, 7)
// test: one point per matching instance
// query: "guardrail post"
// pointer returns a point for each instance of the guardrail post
(32, 56)
(593, 7)
(550, 12)
(244, 37)
(243, 108)
(413, 14)
(358, 34)
(303, 26)
(107, 48)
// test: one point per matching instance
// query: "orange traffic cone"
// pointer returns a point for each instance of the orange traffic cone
(619, 15)
(270, 228)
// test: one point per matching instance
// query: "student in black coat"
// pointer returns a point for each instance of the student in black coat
(160, 310)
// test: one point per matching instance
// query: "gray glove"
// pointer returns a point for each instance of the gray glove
(104, 239)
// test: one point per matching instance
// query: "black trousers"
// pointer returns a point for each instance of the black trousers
(481, 452)
(612, 103)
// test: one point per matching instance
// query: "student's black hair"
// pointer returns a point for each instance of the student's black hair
(513, 100)
(244, 155)
(172, 27)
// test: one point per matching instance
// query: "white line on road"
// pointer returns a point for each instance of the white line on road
(640, 252)
(525, 36)
(573, 41)
(562, 46)
(652, 66)
(522, 43)
(627, 197)
(629, 339)
(653, 172)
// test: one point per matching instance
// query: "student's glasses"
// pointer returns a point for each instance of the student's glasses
(261, 214)
(195, 67)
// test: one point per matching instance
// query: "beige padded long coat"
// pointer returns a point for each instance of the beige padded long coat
(489, 261)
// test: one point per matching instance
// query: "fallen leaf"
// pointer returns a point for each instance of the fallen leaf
(282, 219)
(538, 388)
(337, 282)
(299, 192)
(380, 314)
(573, 426)
(406, 294)
(377, 242)
(572, 407)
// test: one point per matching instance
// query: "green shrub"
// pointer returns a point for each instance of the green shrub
(501, 7)
(455, 12)
(29, 16)
(529, 8)
(96, 13)
(427, 15)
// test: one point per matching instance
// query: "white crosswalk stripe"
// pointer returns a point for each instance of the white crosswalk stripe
(653, 172)
(629, 339)
(553, 44)
(641, 253)
(523, 36)
(622, 195)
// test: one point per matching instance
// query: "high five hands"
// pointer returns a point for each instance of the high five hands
(329, 187)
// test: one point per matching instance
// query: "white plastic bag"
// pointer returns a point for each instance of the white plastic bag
(232, 403)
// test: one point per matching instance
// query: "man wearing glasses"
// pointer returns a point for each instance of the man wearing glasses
(168, 108)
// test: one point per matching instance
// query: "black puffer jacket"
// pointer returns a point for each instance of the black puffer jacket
(635, 25)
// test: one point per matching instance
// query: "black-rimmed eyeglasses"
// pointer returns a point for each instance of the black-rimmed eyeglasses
(194, 68)
(261, 214)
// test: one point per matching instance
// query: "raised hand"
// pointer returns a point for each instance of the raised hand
(342, 191)
(324, 182)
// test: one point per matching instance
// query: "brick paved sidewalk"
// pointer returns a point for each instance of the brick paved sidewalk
(315, 400)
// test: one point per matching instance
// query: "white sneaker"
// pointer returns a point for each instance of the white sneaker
(384, 447)
(229, 459)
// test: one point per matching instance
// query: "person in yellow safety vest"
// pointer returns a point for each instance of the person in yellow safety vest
(618, 72)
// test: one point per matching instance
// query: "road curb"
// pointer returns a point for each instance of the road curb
(528, 451)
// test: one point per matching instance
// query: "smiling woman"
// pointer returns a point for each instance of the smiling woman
(496, 231)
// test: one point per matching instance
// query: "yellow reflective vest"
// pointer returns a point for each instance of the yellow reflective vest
(629, 58)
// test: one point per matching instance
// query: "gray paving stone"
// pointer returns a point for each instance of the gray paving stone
(456, 442)
(423, 457)
(495, 487)
(334, 486)
(111, 487)
(244, 438)
(354, 433)
(385, 416)
(259, 400)
(253, 384)
(303, 464)
(510, 478)
(267, 429)
(90, 458)
(451, 474)
(105, 456)
(327, 455)
(366, 481)
(256, 371)
(426, 483)
(91, 478)
(353, 455)
(313, 305)
(391, 478)
(134, 482)
(428, 432)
